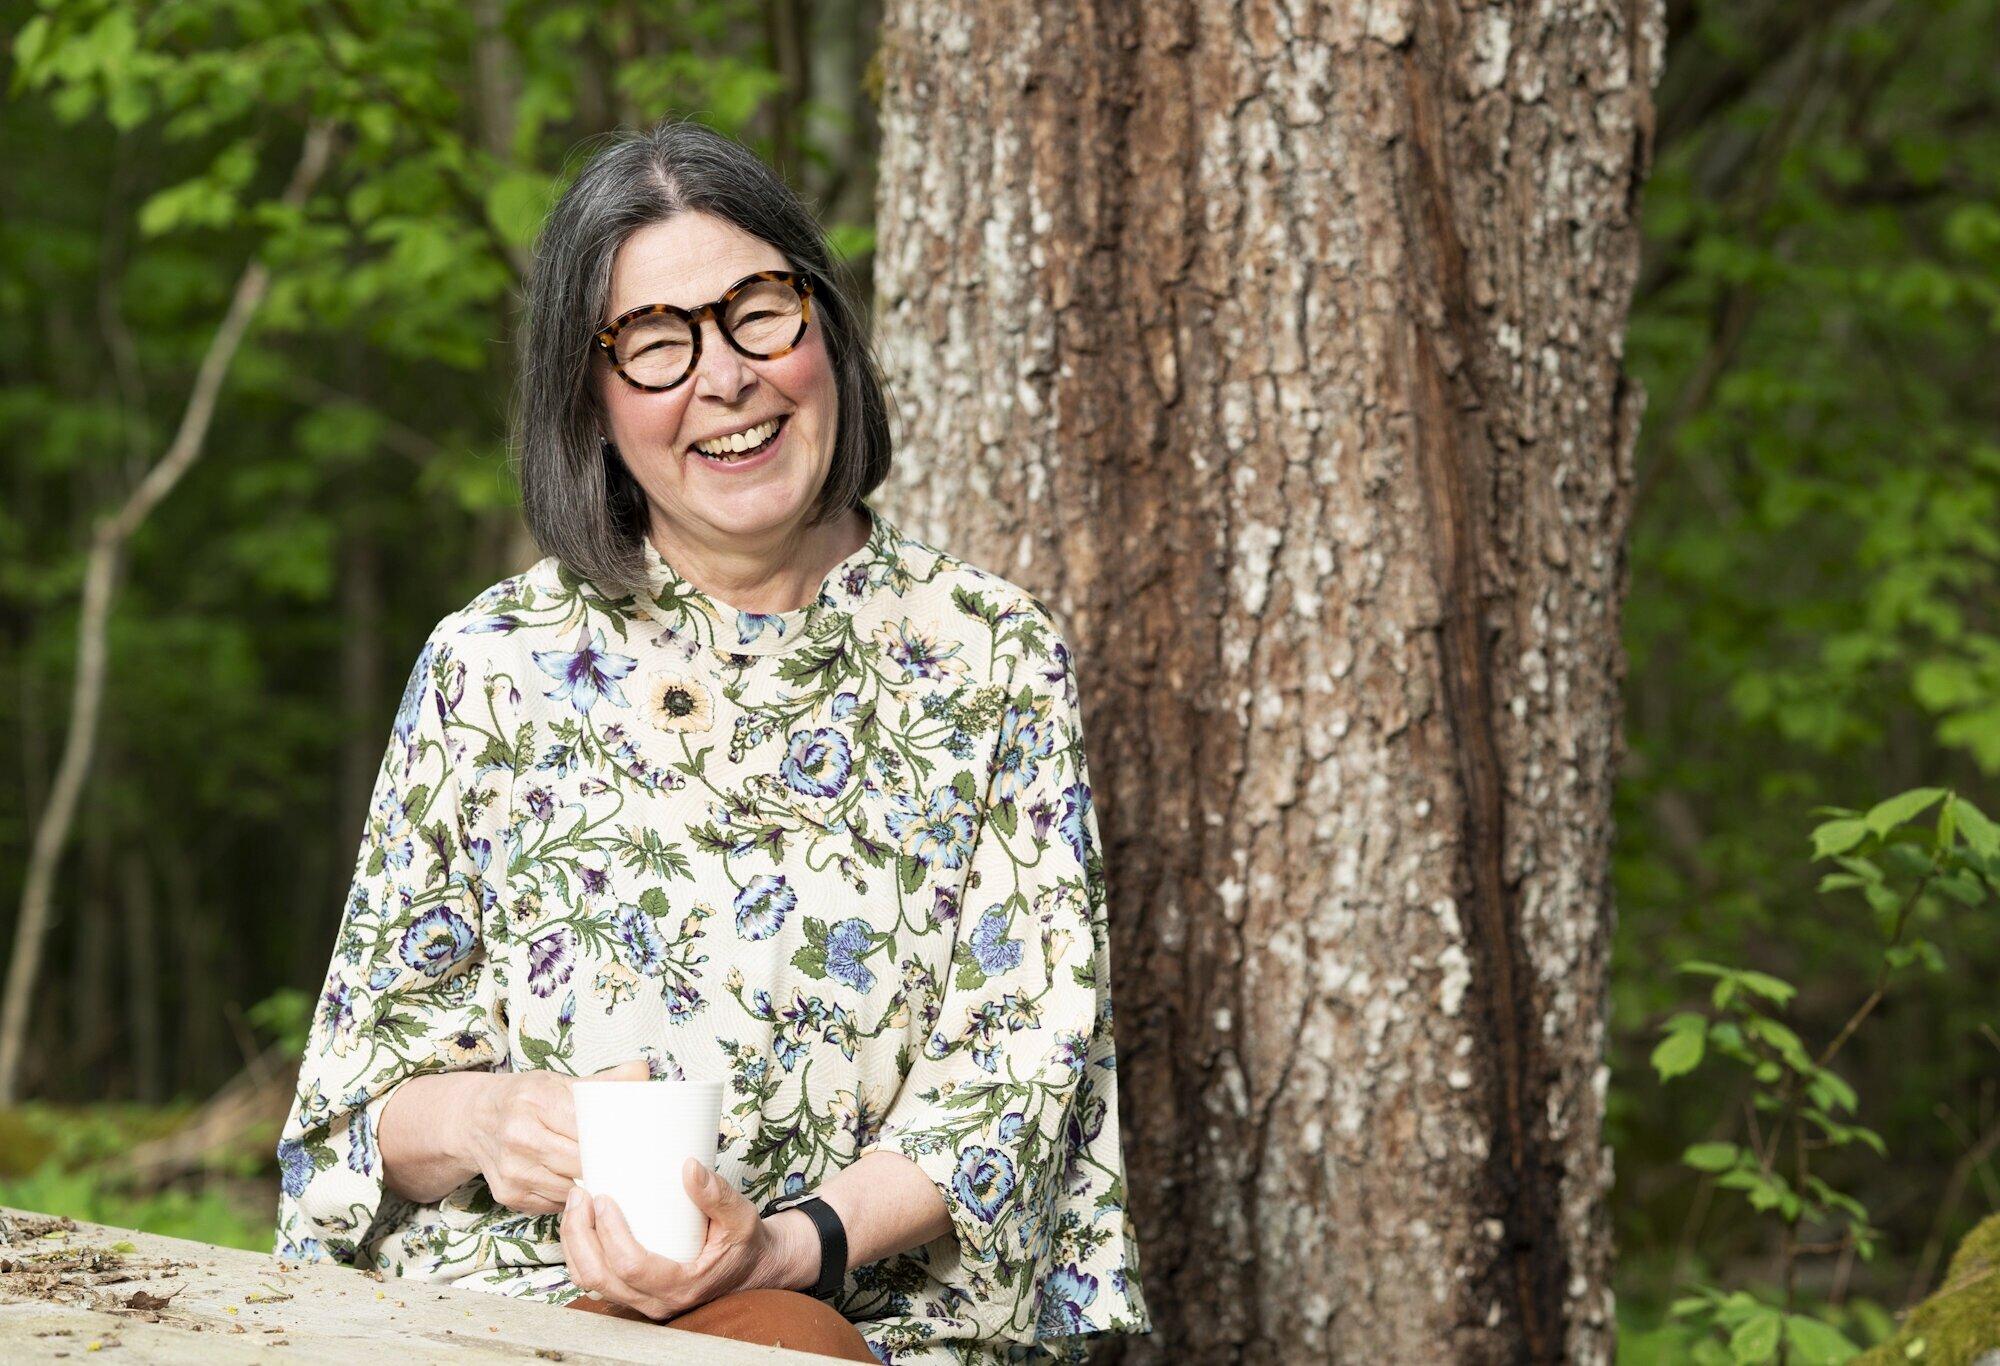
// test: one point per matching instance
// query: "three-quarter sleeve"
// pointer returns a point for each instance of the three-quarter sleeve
(1011, 1104)
(409, 989)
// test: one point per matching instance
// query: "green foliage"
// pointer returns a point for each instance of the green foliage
(355, 485)
(205, 1215)
(1797, 1106)
(58, 1160)
(1813, 569)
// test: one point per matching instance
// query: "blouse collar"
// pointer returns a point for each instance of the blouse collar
(699, 618)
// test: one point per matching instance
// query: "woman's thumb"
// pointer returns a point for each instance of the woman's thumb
(635, 1070)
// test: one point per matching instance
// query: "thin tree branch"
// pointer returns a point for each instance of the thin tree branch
(100, 578)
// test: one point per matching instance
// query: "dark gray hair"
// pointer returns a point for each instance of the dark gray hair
(579, 500)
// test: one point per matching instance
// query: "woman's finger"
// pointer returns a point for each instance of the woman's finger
(584, 1255)
(550, 1190)
(561, 1156)
(629, 1260)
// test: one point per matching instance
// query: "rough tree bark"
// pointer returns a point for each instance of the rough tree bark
(1277, 348)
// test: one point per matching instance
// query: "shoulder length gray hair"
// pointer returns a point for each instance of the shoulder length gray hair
(580, 502)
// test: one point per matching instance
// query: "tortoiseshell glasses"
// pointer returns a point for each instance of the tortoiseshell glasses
(656, 346)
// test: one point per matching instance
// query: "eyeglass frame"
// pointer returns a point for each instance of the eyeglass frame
(607, 337)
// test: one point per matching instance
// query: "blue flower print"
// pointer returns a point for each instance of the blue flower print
(645, 950)
(295, 1167)
(1022, 742)
(844, 1030)
(303, 1250)
(436, 942)
(360, 1137)
(682, 1002)
(586, 673)
(1076, 806)
(991, 949)
(984, 1180)
(817, 762)
(1065, 1296)
(940, 830)
(922, 652)
(483, 893)
(850, 881)
(413, 694)
(750, 625)
(762, 905)
(395, 844)
(845, 945)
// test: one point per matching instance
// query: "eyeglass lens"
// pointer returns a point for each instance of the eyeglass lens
(766, 317)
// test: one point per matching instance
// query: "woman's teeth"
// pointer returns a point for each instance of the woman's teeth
(726, 449)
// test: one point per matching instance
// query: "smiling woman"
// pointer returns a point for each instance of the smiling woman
(741, 783)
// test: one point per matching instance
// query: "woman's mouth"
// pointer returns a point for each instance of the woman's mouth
(752, 455)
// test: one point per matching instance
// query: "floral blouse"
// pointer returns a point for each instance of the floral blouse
(841, 857)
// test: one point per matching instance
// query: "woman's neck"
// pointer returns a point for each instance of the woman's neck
(778, 574)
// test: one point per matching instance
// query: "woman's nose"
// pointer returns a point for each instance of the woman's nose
(722, 372)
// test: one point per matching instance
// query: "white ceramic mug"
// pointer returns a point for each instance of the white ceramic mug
(635, 1136)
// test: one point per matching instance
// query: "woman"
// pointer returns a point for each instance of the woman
(739, 782)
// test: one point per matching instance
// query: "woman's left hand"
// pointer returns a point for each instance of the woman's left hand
(604, 1256)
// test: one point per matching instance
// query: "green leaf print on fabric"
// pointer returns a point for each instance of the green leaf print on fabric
(410, 988)
(842, 859)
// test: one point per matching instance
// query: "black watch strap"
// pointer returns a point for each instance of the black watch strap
(832, 1239)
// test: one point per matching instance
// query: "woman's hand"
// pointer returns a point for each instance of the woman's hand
(522, 1135)
(739, 1253)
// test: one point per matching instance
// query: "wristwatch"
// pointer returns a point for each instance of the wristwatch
(832, 1238)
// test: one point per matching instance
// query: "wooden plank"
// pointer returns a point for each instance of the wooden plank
(65, 1284)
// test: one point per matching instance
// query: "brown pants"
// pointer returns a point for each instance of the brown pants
(775, 1318)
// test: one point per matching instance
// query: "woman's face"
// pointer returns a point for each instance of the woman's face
(688, 261)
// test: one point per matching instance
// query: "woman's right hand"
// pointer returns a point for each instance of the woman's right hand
(522, 1135)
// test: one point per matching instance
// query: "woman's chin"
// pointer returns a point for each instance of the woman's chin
(750, 509)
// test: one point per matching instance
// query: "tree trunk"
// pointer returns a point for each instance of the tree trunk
(1277, 348)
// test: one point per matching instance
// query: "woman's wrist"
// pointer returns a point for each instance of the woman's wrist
(792, 1256)
(428, 1132)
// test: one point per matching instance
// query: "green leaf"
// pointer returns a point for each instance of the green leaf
(1816, 1343)
(1829, 1091)
(517, 201)
(1982, 836)
(966, 787)
(1782, 1038)
(1963, 888)
(1711, 1157)
(1885, 816)
(1756, 1339)
(1837, 837)
(1767, 986)
(1679, 1053)
(30, 42)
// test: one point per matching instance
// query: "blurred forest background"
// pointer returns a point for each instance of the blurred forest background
(1812, 618)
